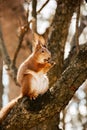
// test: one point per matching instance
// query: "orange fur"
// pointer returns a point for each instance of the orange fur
(5, 110)
(33, 71)
(38, 38)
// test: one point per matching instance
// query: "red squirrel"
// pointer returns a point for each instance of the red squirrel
(32, 76)
(32, 72)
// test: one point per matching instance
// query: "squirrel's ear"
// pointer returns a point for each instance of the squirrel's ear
(39, 38)
(38, 46)
(35, 40)
(36, 36)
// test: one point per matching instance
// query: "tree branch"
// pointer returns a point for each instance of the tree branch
(77, 30)
(6, 57)
(72, 55)
(34, 112)
(42, 6)
(4, 50)
(58, 38)
(83, 24)
(23, 31)
(34, 15)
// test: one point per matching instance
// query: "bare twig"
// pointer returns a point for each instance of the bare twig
(6, 57)
(34, 15)
(42, 6)
(72, 55)
(80, 30)
(77, 30)
(22, 31)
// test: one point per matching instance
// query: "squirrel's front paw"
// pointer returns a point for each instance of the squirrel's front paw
(52, 63)
(33, 96)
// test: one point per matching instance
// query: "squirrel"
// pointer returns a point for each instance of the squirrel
(32, 72)
(32, 76)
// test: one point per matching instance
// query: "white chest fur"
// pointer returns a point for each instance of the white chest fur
(39, 83)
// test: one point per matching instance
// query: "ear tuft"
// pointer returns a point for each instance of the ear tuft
(38, 46)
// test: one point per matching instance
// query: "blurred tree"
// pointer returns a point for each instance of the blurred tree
(1, 86)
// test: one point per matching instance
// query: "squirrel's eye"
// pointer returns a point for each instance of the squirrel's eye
(44, 46)
(42, 51)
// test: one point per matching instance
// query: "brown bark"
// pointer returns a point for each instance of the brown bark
(61, 23)
(35, 112)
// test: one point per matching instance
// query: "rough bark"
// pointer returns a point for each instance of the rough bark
(61, 23)
(30, 113)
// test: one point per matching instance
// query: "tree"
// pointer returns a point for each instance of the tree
(65, 77)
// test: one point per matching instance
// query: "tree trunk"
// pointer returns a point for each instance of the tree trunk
(61, 23)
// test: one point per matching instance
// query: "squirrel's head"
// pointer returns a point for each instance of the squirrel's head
(42, 54)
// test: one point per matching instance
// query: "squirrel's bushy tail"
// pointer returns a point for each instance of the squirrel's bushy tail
(5, 110)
